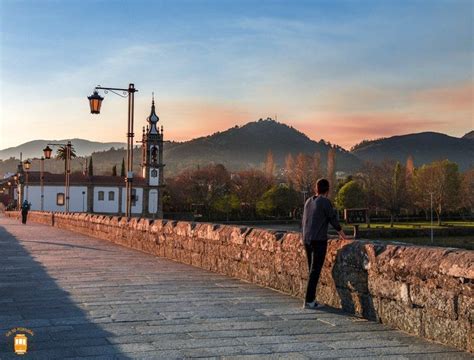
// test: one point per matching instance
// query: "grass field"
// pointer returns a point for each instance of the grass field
(464, 242)
(416, 225)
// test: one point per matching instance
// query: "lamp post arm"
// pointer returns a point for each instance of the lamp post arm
(115, 89)
(126, 92)
(56, 144)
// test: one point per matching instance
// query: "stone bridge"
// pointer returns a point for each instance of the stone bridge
(84, 297)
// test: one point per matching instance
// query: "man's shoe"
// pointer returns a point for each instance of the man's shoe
(311, 305)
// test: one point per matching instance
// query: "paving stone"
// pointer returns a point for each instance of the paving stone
(279, 356)
(89, 299)
(195, 343)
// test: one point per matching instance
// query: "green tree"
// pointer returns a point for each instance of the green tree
(90, 167)
(351, 195)
(114, 170)
(122, 168)
(279, 201)
(226, 204)
(61, 154)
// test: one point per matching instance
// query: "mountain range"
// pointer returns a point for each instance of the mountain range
(425, 147)
(32, 149)
(246, 146)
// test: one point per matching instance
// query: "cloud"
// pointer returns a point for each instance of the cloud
(187, 119)
(347, 129)
(459, 97)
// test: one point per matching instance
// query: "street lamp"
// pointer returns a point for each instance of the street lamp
(27, 164)
(26, 167)
(47, 154)
(95, 102)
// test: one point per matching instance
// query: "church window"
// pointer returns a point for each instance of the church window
(154, 154)
(134, 197)
(101, 196)
(111, 196)
(60, 199)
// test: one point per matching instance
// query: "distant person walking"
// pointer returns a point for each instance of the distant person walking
(25, 207)
(317, 215)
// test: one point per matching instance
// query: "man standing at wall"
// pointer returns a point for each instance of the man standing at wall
(318, 214)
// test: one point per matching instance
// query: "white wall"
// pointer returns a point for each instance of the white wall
(154, 180)
(153, 201)
(106, 205)
(77, 201)
(138, 208)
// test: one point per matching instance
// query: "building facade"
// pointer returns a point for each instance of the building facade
(100, 194)
(95, 194)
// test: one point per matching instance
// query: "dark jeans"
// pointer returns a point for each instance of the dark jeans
(316, 252)
(24, 215)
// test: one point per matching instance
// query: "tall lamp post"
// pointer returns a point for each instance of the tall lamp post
(431, 216)
(95, 102)
(47, 155)
(42, 181)
(26, 166)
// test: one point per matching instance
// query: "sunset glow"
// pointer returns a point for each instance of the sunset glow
(343, 71)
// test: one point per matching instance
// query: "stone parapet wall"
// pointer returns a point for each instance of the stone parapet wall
(425, 291)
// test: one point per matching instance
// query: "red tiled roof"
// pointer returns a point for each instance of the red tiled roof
(80, 179)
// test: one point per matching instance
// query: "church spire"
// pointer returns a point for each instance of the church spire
(153, 118)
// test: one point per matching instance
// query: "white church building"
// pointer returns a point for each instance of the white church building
(104, 194)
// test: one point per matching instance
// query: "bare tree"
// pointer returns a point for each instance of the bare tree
(317, 172)
(303, 179)
(467, 189)
(409, 168)
(331, 171)
(440, 180)
(368, 178)
(270, 165)
(289, 169)
(250, 185)
(390, 187)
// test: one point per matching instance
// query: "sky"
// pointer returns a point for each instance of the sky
(342, 71)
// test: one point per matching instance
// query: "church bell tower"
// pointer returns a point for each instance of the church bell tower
(152, 165)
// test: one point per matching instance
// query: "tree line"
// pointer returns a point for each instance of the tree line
(398, 189)
(386, 189)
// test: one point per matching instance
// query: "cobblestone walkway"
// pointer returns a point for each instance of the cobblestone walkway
(87, 298)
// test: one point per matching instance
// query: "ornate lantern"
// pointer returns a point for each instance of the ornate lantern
(95, 101)
(47, 152)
